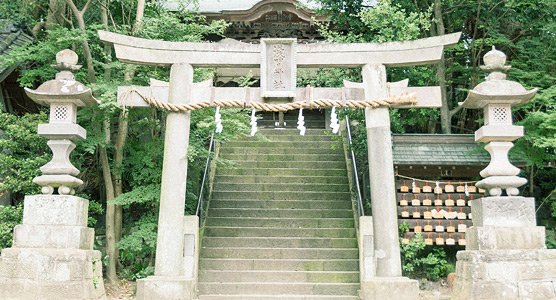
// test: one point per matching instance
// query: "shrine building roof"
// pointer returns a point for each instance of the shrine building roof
(438, 149)
(217, 6)
(10, 38)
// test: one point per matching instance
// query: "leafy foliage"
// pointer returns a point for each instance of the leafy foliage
(9, 217)
(420, 260)
(137, 248)
(24, 152)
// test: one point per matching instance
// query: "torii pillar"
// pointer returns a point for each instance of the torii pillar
(175, 273)
(278, 59)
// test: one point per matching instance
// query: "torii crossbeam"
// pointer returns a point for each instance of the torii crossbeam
(278, 60)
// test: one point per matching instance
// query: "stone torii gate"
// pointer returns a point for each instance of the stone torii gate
(278, 60)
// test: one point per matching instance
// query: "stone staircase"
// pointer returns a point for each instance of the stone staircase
(280, 223)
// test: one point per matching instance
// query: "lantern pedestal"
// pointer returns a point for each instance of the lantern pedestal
(505, 274)
(52, 255)
(506, 256)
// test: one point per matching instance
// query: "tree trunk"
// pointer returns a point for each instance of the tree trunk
(54, 16)
(118, 162)
(139, 16)
(110, 236)
(531, 181)
(445, 120)
(85, 44)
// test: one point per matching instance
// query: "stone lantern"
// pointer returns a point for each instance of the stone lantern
(505, 256)
(496, 96)
(64, 95)
(52, 256)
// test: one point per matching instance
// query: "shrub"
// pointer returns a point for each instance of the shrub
(9, 217)
(420, 260)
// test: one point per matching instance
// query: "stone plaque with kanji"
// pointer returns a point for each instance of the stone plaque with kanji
(278, 68)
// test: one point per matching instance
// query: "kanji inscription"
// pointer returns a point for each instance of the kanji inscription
(278, 72)
(278, 68)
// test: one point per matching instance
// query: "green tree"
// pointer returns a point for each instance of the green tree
(107, 175)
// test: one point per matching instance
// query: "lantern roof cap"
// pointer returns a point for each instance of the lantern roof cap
(64, 89)
(496, 89)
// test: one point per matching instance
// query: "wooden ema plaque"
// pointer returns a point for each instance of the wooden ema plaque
(427, 201)
(416, 201)
(438, 201)
(460, 201)
(440, 217)
(450, 241)
(462, 227)
(439, 227)
(427, 188)
(428, 227)
(451, 228)
(404, 202)
(404, 188)
(428, 240)
(449, 188)
(416, 214)
(449, 202)
(417, 228)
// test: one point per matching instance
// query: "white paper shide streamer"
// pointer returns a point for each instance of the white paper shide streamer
(301, 122)
(218, 120)
(466, 190)
(334, 123)
(253, 123)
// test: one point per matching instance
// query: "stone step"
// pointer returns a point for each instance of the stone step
(281, 222)
(280, 253)
(308, 132)
(279, 195)
(313, 124)
(226, 231)
(281, 172)
(280, 213)
(326, 136)
(294, 114)
(299, 186)
(276, 297)
(280, 179)
(277, 288)
(289, 164)
(281, 204)
(285, 157)
(278, 276)
(291, 145)
(228, 149)
(279, 264)
(277, 242)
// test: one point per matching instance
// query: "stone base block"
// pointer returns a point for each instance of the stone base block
(166, 288)
(51, 236)
(505, 274)
(504, 212)
(55, 210)
(506, 238)
(389, 288)
(50, 274)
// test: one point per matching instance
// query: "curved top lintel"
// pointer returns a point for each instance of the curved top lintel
(153, 52)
